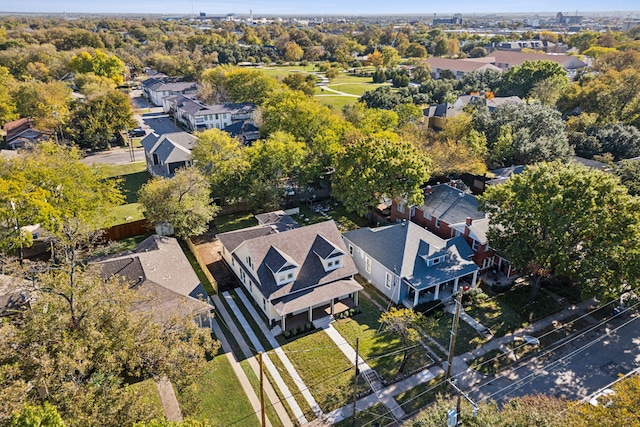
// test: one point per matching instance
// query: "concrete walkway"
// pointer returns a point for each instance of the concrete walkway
(479, 327)
(253, 363)
(304, 390)
(242, 377)
(169, 401)
(257, 347)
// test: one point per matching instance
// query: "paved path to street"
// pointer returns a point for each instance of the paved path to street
(257, 346)
(337, 92)
(169, 401)
(242, 377)
(302, 387)
(249, 354)
(115, 156)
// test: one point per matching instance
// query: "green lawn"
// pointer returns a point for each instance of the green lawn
(517, 298)
(147, 392)
(336, 101)
(377, 412)
(356, 88)
(440, 330)
(380, 350)
(421, 395)
(346, 220)
(323, 368)
(497, 316)
(235, 221)
(133, 176)
(221, 398)
(281, 71)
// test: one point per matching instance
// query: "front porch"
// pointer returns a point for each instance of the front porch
(291, 321)
(441, 291)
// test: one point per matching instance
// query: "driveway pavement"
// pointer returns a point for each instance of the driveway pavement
(115, 156)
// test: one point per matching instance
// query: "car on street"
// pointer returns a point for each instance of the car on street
(137, 132)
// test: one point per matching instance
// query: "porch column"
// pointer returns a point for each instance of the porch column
(509, 271)
(416, 297)
(455, 285)
(310, 314)
(499, 263)
(356, 297)
(475, 279)
(332, 306)
(437, 293)
(284, 326)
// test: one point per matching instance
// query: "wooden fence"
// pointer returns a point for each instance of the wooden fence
(129, 229)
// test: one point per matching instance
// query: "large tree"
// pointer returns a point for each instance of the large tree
(183, 201)
(370, 169)
(403, 323)
(521, 79)
(567, 220)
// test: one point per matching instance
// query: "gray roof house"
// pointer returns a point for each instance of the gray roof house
(409, 264)
(167, 152)
(292, 272)
(156, 89)
(159, 270)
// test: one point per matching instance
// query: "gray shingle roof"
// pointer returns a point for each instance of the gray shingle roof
(404, 248)
(450, 205)
(170, 147)
(300, 245)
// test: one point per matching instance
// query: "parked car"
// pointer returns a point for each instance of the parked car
(137, 132)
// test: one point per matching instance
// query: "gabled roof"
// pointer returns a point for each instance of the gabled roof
(514, 58)
(326, 249)
(158, 267)
(450, 205)
(161, 86)
(170, 147)
(300, 244)
(501, 175)
(404, 248)
(458, 65)
(477, 230)
(280, 219)
(277, 260)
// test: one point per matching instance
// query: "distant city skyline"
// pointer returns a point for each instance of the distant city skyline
(319, 7)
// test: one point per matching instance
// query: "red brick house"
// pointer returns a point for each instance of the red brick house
(449, 212)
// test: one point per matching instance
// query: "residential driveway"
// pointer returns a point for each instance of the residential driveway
(151, 118)
(210, 248)
(115, 156)
(575, 370)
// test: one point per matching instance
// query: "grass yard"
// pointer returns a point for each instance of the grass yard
(272, 415)
(517, 298)
(234, 221)
(379, 350)
(281, 71)
(422, 395)
(221, 398)
(377, 412)
(440, 330)
(323, 368)
(147, 393)
(497, 316)
(133, 176)
(346, 221)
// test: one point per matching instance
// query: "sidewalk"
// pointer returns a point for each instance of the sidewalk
(249, 355)
(304, 390)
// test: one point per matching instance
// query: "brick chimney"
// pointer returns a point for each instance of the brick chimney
(427, 190)
(469, 221)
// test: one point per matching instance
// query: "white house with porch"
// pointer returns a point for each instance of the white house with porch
(411, 265)
(291, 271)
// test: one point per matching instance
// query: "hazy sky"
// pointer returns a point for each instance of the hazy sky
(218, 7)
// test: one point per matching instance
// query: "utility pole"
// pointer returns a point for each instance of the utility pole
(263, 415)
(454, 333)
(355, 387)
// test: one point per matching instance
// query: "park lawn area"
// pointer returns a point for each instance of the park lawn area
(377, 412)
(517, 298)
(497, 316)
(421, 395)
(336, 101)
(221, 398)
(440, 330)
(356, 88)
(281, 71)
(378, 349)
(323, 368)
(234, 221)
(148, 397)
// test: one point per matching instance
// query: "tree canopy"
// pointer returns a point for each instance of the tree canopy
(567, 220)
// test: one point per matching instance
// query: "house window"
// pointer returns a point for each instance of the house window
(388, 279)
(330, 264)
(249, 262)
(250, 286)
(281, 279)
(290, 276)
(437, 223)
(436, 260)
(233, 262)
(368, 264)
(216, 116)
(474, 246)
(350, 250)
(401, 207)
(224, 115)
(264, 304)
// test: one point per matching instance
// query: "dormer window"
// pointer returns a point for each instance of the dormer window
(329, 254)
(282, 266)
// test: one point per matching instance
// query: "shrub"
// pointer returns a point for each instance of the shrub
(352, 312)
(308, 326)
(429, 308)
(287, 334)
(474, 296)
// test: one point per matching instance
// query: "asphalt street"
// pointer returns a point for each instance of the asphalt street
(576, 369)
